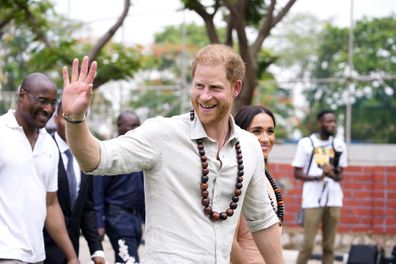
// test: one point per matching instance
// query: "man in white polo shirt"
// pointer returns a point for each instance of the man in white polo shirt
(28, 176)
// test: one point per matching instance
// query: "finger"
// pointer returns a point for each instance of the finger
(84, 69)
(65, 75)
(74, 75)
(88, 93)
(91, 73)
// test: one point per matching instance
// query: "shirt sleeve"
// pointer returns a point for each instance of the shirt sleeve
(341, 146)
(99, 186)
(301, 156)
(257, 207)
(139, 149)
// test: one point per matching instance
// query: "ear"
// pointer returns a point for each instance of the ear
(237, 88)
(21, 92)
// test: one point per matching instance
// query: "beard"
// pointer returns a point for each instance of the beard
(329, 132)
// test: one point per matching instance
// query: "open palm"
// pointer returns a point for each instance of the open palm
(77, 91)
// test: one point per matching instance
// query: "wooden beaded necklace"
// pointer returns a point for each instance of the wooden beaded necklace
(280, 210)
(205, 201)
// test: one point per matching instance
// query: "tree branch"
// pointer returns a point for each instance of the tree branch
(4, 22)
(207, 18)
(110, 33)
(269, 23)
(229, 29)
(237, 13)
(33, 23)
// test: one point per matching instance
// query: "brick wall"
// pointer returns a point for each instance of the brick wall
(369, 197)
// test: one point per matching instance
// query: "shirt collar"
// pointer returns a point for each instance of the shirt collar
(11, 122)
(197, 130)
(62, 145)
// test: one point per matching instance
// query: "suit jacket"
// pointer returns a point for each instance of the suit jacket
(82, 216)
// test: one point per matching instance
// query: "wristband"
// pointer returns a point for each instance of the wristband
(74, 121)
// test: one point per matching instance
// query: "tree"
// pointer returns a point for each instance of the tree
(374, 64)
(259, 15)
(35, 38)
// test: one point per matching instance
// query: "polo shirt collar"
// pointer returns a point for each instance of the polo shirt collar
(11, 122)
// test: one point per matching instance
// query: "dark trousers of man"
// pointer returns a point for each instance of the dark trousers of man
(313, 218)
(125, 225)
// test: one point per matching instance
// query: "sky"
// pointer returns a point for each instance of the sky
(146, 17)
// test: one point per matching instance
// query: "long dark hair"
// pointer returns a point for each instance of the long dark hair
(246, 114)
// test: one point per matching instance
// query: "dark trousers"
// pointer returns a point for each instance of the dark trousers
(125, 225)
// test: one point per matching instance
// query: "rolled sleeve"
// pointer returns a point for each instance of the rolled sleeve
(257, 207)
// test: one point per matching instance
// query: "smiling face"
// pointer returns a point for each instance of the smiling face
(212, 94)
(37, 101)
(262, 126)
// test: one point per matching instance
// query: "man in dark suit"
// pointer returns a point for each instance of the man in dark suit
(76, 200)
(119, 201)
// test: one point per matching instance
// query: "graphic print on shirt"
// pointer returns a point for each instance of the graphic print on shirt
(323, 155)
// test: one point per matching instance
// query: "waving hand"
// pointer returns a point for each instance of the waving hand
(77, 91)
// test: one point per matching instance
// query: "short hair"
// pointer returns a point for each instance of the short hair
(218, 54)
(322, 113)
(246, 114)
(33, 80)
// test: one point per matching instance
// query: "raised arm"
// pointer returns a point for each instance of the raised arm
(76, 97)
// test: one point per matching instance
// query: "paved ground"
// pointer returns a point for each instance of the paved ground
(290, 255)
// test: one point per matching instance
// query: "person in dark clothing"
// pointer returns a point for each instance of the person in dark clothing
(76, 200)
(119, 201)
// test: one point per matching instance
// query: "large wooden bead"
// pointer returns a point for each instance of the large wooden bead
(208, 210)
(204, 178)
(205, 201)
(223, 216)
(215, 216)
(204, 186)
(230, 212)
(233, 205)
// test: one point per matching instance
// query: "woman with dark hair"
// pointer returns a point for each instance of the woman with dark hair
(259, 121)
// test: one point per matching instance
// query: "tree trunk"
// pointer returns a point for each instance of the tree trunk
(249, 85)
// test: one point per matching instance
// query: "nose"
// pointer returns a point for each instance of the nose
(49, 108)
(263, 137)
(206, 94)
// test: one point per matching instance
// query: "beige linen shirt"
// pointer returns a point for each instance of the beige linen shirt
(177, 230)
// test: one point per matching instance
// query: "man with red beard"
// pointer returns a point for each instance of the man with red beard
(199, 167)
(28, 176)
